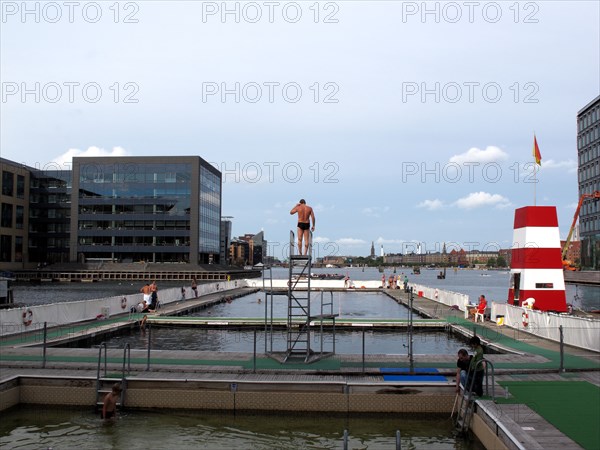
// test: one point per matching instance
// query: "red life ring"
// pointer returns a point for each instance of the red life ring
(525, 317)
(27, 317)
(124, 303)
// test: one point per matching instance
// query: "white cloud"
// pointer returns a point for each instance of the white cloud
(350, 241)
(479, 199)
(431, 205)
(569, 165)
(320, 239)
(381, 240)
(476, 155)
(375, 211)
(67, 157)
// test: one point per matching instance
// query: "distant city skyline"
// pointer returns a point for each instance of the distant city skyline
(399, 124)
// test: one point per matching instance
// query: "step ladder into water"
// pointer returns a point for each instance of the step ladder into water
(104, 382)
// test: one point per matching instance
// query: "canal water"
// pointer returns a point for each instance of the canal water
(492, 283)
(349, 305)
(29, 427)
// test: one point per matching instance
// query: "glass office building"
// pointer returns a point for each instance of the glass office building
(152, 209)
(588, 150)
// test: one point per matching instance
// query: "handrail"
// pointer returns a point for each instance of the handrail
(468, 391)
(126, 357)
(102, 345)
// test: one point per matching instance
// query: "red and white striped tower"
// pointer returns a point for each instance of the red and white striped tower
(536, 260)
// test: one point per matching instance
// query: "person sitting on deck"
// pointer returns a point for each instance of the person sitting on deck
(480, 308)
(141, 307)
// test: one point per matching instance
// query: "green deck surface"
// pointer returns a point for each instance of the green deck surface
(571, 406)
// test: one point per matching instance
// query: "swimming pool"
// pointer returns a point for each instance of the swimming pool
(349, 305)
(29, 427)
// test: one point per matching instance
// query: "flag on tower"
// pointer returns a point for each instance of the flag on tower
(536, 152)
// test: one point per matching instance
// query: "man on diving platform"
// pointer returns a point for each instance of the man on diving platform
(305, 216)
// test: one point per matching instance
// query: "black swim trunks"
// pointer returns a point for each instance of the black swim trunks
(303, 225)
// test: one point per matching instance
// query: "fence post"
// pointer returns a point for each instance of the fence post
(363, 349)
(562, 349)
(345, 445)
(149, 343)
(410, 330)
(254, 364)
(45, 340)
(398, 440)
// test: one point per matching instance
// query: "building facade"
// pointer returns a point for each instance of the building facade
(588, 152)
(249, 249)
(226, 227)
(153, 209)
(14, 215)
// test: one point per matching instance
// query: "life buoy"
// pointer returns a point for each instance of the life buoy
(525, 317)
(27, 317)
(124, 303)
(436, 294)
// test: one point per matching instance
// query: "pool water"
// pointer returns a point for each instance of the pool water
(349, 305)
(30, 427)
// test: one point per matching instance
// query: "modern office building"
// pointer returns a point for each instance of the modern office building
(14, 218)
(35, 216)
(49, 216)
(588, 151)
(226, 227)
(152, 209)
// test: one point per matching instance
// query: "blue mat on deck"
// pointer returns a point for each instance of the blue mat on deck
(412, 377)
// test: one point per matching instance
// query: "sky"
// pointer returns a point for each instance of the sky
(398, 122)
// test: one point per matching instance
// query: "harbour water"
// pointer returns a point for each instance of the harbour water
(349, 305)
(70, 428)
(492, 283)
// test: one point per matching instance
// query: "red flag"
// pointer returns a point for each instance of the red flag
(536, 152)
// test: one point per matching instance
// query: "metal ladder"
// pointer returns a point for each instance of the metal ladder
(298, 309)
(104, 383)
(346, 438)
(466, 411)
(300, 318)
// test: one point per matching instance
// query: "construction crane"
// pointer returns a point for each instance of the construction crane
(567, 264)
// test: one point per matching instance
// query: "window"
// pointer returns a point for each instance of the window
(8, 179)
(5, 248)
(7, 215)
(19, 218)
(18, 249)
(20, 186)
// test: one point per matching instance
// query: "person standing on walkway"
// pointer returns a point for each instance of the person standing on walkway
(195, 287)
(153, 296)
(146, 293)
(476, 369)
(305, 216)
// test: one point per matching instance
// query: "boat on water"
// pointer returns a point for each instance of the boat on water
(327, 276)
(416, 270)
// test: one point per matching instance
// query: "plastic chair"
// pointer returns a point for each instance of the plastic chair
(479, 315)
